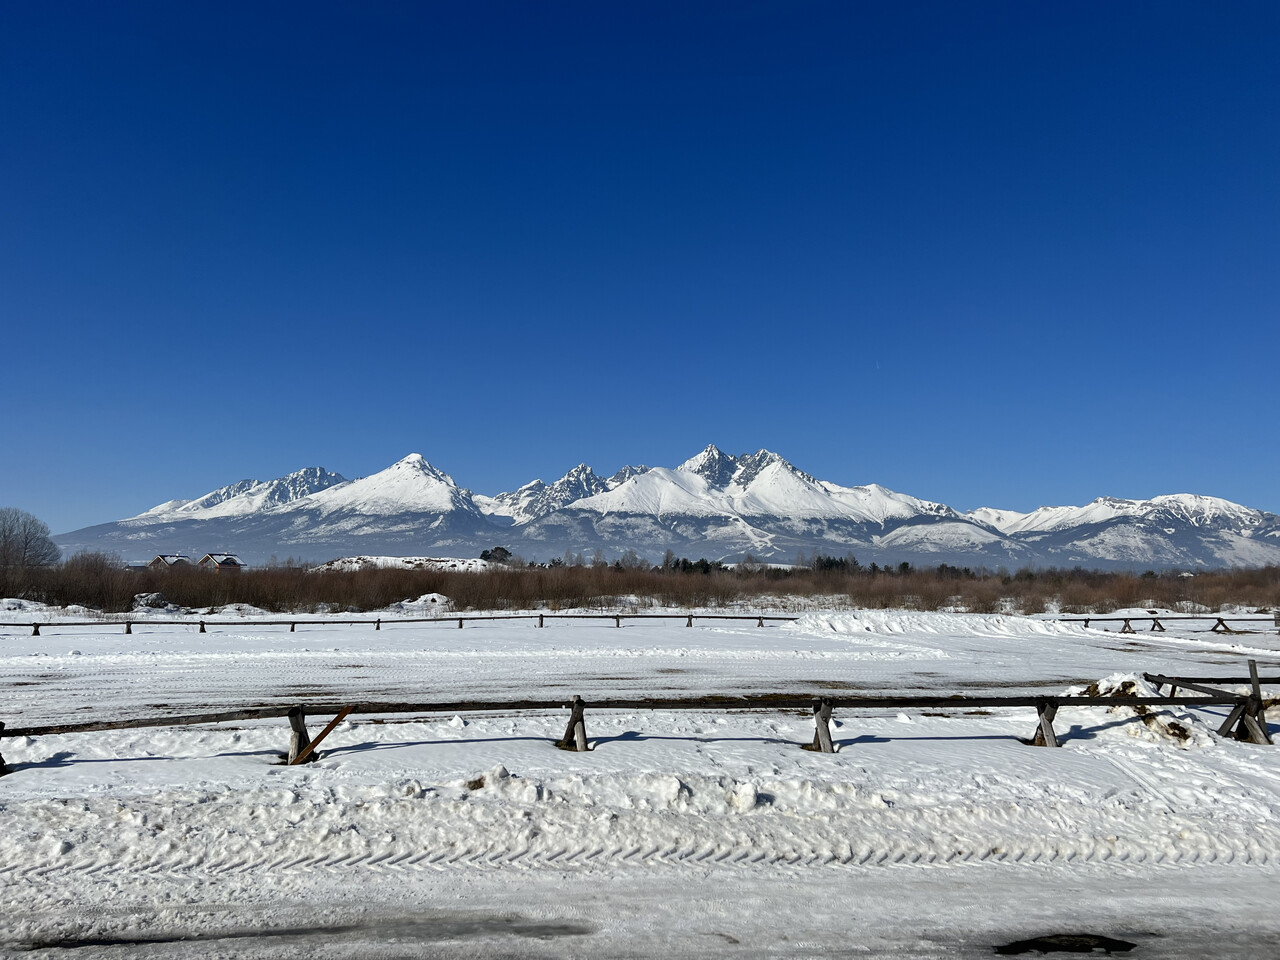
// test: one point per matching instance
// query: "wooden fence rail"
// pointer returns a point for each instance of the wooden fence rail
(1221, 623)
(1246, 721)
(1159, 620)
(376, 623)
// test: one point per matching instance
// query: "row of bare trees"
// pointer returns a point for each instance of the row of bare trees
(98, 581)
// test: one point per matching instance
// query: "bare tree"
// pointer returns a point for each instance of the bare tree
(25, 541)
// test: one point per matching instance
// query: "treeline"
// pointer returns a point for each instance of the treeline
(98, 581)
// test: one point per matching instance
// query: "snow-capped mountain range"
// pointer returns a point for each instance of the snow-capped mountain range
(713, 505)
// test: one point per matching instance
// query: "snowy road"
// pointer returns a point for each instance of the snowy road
(935, 833)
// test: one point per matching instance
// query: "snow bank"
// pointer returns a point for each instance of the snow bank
(900, 623)
(452, 564)
(425, 605)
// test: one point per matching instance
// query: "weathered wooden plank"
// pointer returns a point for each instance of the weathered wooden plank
(763, 701)
(575, 733)
(1045, 736)
(1253, 730)
(310, 747)
(822, 727)
(96, 726)
(1161, 678)
(1236, 713)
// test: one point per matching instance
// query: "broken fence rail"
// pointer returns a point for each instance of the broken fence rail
(377, 622)
(1247, 719)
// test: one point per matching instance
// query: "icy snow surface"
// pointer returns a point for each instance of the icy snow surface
(691, 833)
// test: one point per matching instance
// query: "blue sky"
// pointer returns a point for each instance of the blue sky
(1004, 254)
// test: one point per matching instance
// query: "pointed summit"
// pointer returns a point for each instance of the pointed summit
(625, 474)
(248, 496)
(409, 485)
(713, 465)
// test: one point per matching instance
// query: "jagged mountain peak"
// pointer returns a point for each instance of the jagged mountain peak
(626, 473)
(713, 465)
(752, 465)
(249, 496)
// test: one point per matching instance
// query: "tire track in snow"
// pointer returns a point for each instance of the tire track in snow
(562, 857)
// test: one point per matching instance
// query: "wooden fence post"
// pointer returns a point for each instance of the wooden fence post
(1156, 625)
(540, 623)
(4, 767)
(689, 622)
(202, 629)
(1046, 710)
(459, 623)
(760, 622)
(128, 627)
(293, 628)
(821, 727)
(377, 624)
(298, 739)
(575, 734)
(35, 629)
(1128, 627)
(309, 750)
(617, 621)
(1259, 712)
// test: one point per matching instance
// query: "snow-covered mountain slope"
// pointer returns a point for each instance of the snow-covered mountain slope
(411, 485)
(246, 497)
(713, 505)
(1178, 508)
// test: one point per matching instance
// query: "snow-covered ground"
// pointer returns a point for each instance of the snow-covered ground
(690, 833)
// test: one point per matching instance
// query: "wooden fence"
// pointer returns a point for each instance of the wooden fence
(1246, 720)
(1221, 623)
(1159, 620)
(377, 622)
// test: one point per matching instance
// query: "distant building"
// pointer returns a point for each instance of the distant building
(222, 562)
(166, 560)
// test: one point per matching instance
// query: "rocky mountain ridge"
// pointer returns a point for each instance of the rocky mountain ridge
(714, 504)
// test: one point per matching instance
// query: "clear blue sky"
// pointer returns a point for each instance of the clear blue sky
(989, 253)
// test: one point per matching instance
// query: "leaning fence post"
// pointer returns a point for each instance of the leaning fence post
(1046, 710)
(821, 727)
(308, 752)
(689, 622)
(1259, 712)
(1128, 627)
(760, 622)
(1156, 625)
(575, 734)
(298, 739)
(1236, 713)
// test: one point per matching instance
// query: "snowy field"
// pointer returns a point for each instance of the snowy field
(689, 833)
